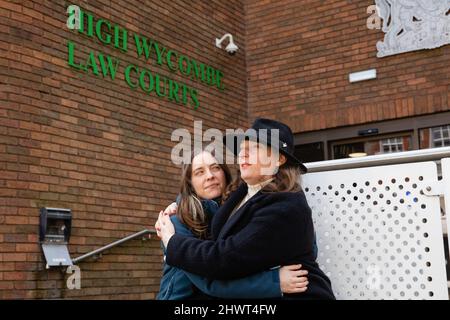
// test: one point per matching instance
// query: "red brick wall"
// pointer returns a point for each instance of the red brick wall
(74, 140)
(299, 55)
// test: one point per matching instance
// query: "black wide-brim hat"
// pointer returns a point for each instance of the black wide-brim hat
(261, 131)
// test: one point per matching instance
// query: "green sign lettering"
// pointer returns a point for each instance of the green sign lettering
(150, 50)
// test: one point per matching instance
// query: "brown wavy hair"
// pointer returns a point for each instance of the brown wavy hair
(287, 179)
(190, 210)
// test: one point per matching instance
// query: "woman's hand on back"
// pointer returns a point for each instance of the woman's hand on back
(171, 209)
(167, 229)
(293, 279)
(158, 226)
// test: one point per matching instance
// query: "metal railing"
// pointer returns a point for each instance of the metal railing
(98, 251)
(380, 159)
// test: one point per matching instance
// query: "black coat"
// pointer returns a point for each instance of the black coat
(270, 229)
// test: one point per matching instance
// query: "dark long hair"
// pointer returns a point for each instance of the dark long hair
(287, 179)
(190, 210)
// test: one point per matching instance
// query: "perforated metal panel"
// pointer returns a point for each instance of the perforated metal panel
(445, 166)
(379, 235)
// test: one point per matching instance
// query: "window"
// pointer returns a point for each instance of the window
(404, 134)
(341, 151)
(310, 152)
(441, 137)
(391, 145)
(371, 146)
(435, 137)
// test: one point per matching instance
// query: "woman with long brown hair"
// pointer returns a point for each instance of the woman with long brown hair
(202, 184)
(266, 222)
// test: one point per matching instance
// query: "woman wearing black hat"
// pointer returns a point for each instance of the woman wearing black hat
(265, 222)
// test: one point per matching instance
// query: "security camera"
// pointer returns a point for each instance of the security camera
(231, 48)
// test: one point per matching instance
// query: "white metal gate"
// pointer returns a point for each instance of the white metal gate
(379, 230)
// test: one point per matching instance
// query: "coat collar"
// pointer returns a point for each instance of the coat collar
(254, 189)
(221, 217)
(226, 224)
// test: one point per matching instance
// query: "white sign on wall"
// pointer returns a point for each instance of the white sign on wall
(413, 25)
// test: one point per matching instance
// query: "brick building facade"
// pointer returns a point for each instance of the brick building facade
(300, 55)
(73, 139)
(101, 146)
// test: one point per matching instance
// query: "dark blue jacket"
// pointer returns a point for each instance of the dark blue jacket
(177, 284)
(270, 229)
